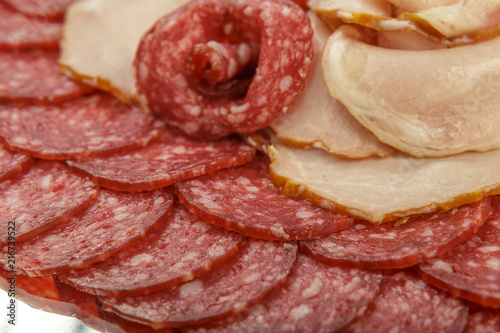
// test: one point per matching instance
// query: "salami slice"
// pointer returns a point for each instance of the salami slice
(20, 32)
(45, 195)
(243, 199)
(33, 76)
(44, 9)
(115, 221)
(483, 320)
(41, 286)
(388, 246)
(11, 162)
(230, 287)
(181, 249)
(196, 66)
(472, 269)
(172, 158)
(89, 125)
(314, 298)
(408, 304)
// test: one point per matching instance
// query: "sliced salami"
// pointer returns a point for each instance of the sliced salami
(45, 195)
(408, 304)
(472, 269)
(181, 249)
(116, 220)
(243, 199)
(44, 9)
(11, 162)
(85, 307)
(389, 246)
(33, 76)
(42, 286)
(314, 298)
(89, 125)
(483, 320)
(245, 278)
(20, 32)
(172, 158)
(196, 66)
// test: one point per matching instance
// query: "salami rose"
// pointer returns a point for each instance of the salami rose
(215, 67)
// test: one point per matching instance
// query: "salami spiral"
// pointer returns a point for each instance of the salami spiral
(210, 68)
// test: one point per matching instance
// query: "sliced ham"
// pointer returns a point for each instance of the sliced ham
(318, 120)
(428, 104)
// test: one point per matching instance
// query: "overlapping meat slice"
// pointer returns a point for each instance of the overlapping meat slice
(446, 22)
(243, 199)
(172, 158)
(408, 304)
(418, 5)
(314, 298)
(318, 120)
(212, 83)
(94, 28)
(472, 269)
(258, 268)
(390, 246)
(116, 220)
(42, 9)
(384, 188)
(82, 127)
(482, 320)
(181, 249)
(465, 19)
(45, 195)
(20, 32)
(428, 104)
(40, 286)
(371, 13)
(33, 77)
(11, 162)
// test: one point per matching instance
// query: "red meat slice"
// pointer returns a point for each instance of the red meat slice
(314, 298)
(43, 9)
(41, 286)
(181, 249)
(388, 246)
(20, 32)
(408, 304)
(172, 158)
(116, 220)
(245, 278)
(89, 125)
(472, 269)
(33, 77)
(45, 195)
(482, 320)
(243, 199)
(11, 162)
(196, 66)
